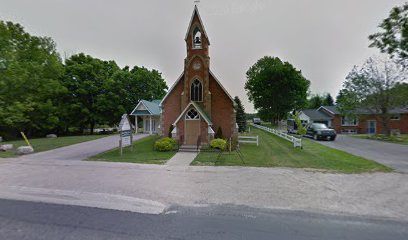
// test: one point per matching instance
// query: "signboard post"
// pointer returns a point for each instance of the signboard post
(126, 136)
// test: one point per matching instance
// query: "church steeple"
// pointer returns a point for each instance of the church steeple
(197, 41)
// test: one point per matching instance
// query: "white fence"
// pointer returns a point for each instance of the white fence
(297, 142)
(248, 139)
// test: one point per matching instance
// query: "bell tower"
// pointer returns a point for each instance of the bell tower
(197, 65)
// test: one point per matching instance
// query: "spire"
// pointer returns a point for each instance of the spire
(196, 14)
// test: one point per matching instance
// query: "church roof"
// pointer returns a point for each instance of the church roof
(195, 12)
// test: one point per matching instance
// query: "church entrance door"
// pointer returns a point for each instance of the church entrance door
(192, 127)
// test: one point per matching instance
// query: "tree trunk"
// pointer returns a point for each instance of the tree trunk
(386, 125)
(92, 127)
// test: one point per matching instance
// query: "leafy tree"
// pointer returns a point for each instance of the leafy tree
(128, 87)
(301, 129)
(100, 92)
(320, 100)
(376, 87)
(393, 39)
(275, 88)
(240, 114)
(89, 83)
(30, 89)
(315, 101)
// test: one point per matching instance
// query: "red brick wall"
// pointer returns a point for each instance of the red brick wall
(171, 107)
(189, 40)
(336, 123)
(222, 109)
(204, 132)
(401, 124)
(361, 127)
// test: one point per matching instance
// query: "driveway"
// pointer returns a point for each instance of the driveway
(80, 151)
(389, 154)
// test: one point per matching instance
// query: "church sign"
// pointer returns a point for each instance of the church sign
(126, 137)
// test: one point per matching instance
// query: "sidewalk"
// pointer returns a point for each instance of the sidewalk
(182, 159)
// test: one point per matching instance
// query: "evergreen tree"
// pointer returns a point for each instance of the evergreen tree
(328, 101)
(240, 115)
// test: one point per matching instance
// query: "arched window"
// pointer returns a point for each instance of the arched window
(196, 93)
(192, 114)
(197, 38)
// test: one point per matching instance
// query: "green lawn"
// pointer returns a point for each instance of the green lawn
(402, 139)
(276, 152)
(45, 144)
(143, 152)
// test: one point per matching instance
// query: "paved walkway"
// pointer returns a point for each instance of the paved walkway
(80, 151)
(390, 154)
(182, 159)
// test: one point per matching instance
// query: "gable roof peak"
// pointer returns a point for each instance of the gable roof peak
(196, 13)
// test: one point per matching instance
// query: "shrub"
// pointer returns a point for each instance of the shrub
(218, 134)
(165, 144)
(218, 143)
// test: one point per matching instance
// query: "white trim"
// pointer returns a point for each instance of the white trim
(219, 83)
(187, 117)
(185, 110)
(326, 110)
(150, 125)
(193, 46)
(171, 89)
(141, 102)
(201, 23)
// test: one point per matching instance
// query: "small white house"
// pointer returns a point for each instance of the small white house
(149, 111)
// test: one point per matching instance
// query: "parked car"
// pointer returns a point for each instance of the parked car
(257, 121)
(319, 131)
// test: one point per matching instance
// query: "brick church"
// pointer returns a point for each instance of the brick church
(197, 104)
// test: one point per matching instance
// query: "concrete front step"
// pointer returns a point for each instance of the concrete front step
(189, 148)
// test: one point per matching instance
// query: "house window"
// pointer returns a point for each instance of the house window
(196, 94)
(348, 121)
(395, 117)
(192, 114)
(197, 38)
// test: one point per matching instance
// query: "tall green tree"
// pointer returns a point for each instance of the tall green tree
(393, 37)
(89, 82)
(129, 87)
(375, 87)
(30, 88)
(100, 92)
(315, 101)
(275, 88)
(240, 116)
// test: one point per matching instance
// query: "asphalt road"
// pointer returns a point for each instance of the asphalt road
(390, 154)
(29, 220)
